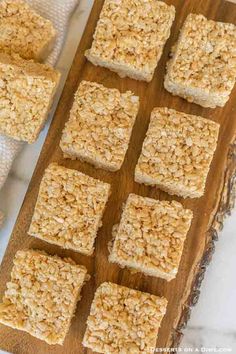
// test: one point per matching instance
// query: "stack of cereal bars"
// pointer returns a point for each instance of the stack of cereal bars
(176, 156)
(27, 87)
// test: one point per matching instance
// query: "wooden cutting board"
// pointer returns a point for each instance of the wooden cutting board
(209, 211)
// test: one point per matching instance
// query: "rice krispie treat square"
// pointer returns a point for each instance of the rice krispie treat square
(100, 125)
(177, 152)
(123, 320)
(25, 32)
(203, 65)
(69, 209)
(26, 93)
(42, 294)
(130, 37)
(150, 237)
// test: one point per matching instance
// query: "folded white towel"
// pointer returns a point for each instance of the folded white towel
(58, 11)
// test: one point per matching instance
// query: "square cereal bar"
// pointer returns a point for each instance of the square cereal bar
(24, 32)
(42, 294)
(177, 152)
(150, 237)
(203, 65)
(69, 209)
(123, 320)
(100, 125)
(26, 94)
(130, 37)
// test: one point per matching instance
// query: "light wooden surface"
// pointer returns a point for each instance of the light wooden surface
(205, 209)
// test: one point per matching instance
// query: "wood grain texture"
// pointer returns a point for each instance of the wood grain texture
(208, 211)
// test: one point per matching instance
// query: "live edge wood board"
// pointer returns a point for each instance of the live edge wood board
(209, 211)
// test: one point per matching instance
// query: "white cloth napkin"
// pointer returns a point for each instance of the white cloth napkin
(58, 11)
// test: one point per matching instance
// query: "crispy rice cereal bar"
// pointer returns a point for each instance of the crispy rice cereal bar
(26, 94)
(177, 152)
(203, 67)
(24, 32)
(42, 294)
(100, 125)
(150, 236)
(123, 320)
(69, 209)
(130, 37)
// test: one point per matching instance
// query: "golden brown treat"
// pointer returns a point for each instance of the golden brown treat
(123, 320)
(130, 37)
(150, 236)
(24, 32)
(203, 67)
(26, 93)
(177, 152)
(42, 294)
(100, 125)
(69, 209)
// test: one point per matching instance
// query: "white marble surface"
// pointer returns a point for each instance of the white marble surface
(213, 320)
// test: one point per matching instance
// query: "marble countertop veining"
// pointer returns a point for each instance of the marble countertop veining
(213, 320)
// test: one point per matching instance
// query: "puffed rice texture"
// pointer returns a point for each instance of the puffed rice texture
(123, 320)
(42, 294)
